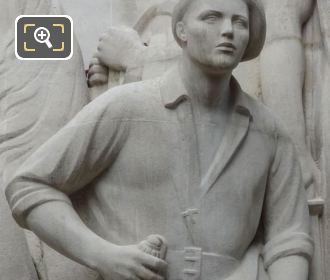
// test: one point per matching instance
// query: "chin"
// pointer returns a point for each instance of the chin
(221, 64)
(225, 61)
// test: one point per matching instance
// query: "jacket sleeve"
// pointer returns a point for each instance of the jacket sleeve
(286, 217)
(70, 159)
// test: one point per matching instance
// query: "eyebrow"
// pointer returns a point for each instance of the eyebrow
(218, 13)
(240, 17)
(210, 12)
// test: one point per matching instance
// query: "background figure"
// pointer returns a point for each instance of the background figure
(283, 72)
(143, 50)
(316, 104)
(105, 13)
(15, 258)
(36, 98)
(292, 65)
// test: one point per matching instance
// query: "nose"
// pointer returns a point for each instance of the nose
(227, 29)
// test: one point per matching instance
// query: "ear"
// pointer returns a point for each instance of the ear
(181, 31)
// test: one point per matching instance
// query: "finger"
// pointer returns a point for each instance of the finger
(99, 49)
(100, 69)
(94, 60)
(103, 35)
(153, 263)
(97, 79)
(146, 274)
(99, 56)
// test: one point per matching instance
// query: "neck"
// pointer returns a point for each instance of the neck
(207, 89)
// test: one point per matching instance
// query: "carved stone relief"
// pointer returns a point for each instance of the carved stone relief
(291, 77)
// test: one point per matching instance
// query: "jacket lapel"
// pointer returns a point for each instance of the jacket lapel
(235, 133)
(174, 97)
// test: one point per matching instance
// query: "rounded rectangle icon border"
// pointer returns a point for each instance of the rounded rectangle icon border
(45, 16)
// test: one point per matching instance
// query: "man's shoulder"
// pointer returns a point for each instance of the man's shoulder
(130, 99)
(132, 93)
(264, 119)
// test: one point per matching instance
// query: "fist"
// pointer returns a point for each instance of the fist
(120, 48)
(130, 263)
(97, 73)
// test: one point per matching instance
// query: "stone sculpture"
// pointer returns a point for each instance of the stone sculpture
(284, 44)
(188, 156)
(287, 21)
(158, 53)
(141, 52)
(37, 98)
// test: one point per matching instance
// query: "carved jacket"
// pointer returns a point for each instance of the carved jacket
(128, 163)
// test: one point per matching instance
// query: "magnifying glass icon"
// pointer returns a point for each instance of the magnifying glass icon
(42, 35)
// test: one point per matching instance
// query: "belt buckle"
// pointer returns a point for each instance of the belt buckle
(192, 263)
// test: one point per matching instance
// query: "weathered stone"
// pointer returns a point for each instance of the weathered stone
(306, 116)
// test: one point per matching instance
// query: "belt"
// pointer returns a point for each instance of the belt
(193, 264)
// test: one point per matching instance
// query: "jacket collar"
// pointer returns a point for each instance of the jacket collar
(173, 93)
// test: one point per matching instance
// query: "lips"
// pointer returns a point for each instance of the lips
(226, 47)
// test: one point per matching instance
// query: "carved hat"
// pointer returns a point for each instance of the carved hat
(257, 22)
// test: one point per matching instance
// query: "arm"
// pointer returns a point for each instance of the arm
(38, 194)
(118, 50)
(289, 268)
(122, 50)
(288, 246)
(66, 233)
(284, 55)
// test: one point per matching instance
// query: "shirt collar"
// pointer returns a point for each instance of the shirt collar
(173, 93)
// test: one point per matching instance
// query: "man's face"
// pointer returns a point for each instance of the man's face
(216, 33)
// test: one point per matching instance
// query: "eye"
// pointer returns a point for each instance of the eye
(242, 23)
(210, 18)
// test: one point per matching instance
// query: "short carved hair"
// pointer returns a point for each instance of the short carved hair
(257, 26)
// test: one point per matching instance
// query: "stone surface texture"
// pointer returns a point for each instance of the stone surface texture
(37, 98)
(292, 77)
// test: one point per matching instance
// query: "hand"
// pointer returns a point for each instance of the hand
(129, 263)
(310, 172)
(120, 48)
(97, 73)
